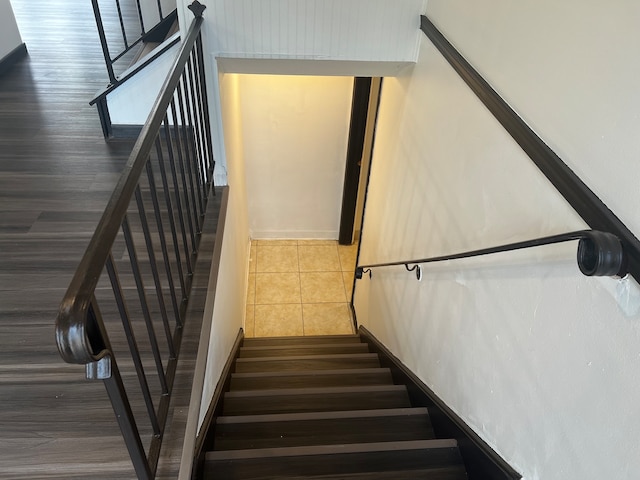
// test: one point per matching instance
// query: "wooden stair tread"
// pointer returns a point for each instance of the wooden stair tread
(315, 428)
(297, 350)
(332, 459)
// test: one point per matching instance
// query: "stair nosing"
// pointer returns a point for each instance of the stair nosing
(342, 414)
(345, 371)
(218, 455)
(309, 357)
(314, 391)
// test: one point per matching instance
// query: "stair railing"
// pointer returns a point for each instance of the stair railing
(130, 36)
(610, 249)
(581, 198)
(599, 254)
(169, 172)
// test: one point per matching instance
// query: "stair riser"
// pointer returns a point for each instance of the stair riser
(322, 432)
(369, 361)
(378, 377)
(379, 461)
(322, 402)
(281, 351)
(267, 342)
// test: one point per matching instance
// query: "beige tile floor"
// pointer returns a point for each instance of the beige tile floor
(299, 287)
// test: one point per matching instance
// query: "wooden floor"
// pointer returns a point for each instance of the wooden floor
(56, 174)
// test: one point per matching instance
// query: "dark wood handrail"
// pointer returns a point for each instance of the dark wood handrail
(583, 200)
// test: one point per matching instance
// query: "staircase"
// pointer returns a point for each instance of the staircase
(322, 407)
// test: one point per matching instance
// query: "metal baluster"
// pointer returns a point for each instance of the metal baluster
(160, 10)
(172, 223)
(122, 27)
(103, 40)
(187, 149)
(203, 161)
(142, 31)
(197, 130)
(176, 188)
(207, 120)
(119, 401)
(161, 234)
(137, 275)
(131, 340)
(176, 130)
(178, 210)
(154, 269)
(210, 163)
(197, 133)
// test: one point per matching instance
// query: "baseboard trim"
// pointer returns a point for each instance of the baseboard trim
(209, 279)
(13, 57)
(215, 407)
(481, 461)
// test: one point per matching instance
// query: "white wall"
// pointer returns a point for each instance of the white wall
(365, 30)
(295, 131)
(540, 361)
(9, 34)
(150, 14)
(229, 308)
(571, 70)
(131, 102)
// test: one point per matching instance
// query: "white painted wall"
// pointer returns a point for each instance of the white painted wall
(540, 361)
(571, 70)
(131, 102)
(365, 30)
(295, 131)
(150, 14)
(9, 35)
(229, 307)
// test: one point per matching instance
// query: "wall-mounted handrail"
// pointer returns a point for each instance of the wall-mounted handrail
(168, 174)
(599, 254)
(583, 200)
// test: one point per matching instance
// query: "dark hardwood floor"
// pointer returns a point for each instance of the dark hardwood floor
(56, 174)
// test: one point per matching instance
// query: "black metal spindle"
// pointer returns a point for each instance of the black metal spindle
(133, 344)
(201, 107)
(103, 40)
(161, 233)
(178, 210)
(197, 127)
(160, 10)
(188, 157)
(207, 120)
(137, 275)
(197, 132)
(176, 188)
(204, 112)
(119, 400)
(154, 270)
(185, 190)
(172, 223)
(142, 31)
(123, 29)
